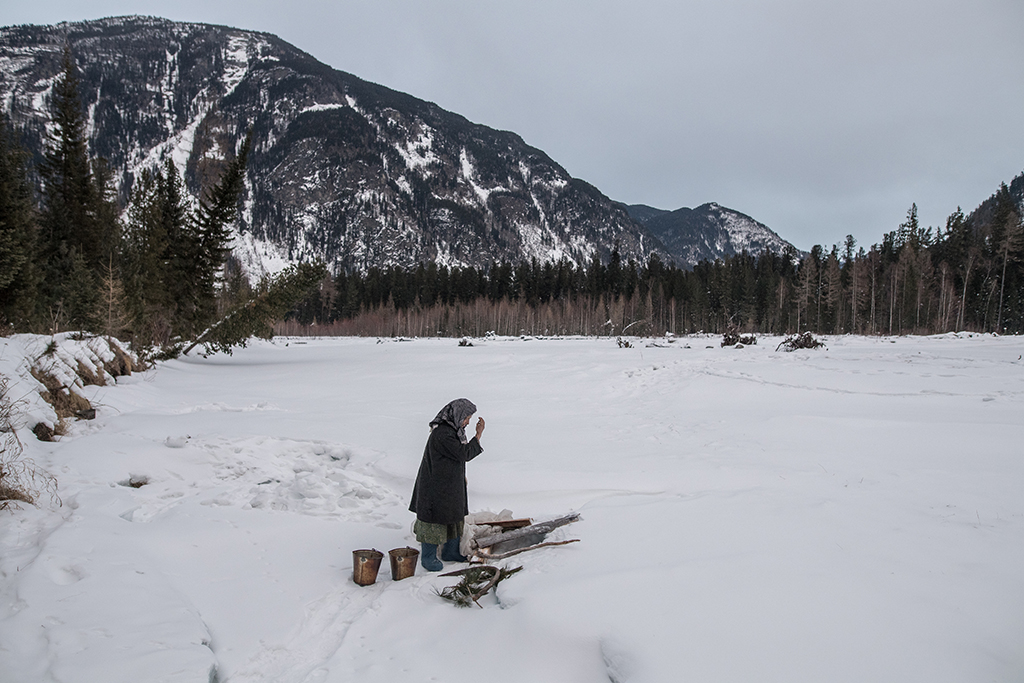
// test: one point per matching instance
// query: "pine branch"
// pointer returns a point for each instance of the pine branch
(255, 317)
(475, 583)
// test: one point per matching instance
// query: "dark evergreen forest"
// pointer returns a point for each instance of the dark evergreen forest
(965, 276)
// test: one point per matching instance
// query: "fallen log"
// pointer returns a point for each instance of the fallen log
(541, 529)
(485, 555)
(506, 524)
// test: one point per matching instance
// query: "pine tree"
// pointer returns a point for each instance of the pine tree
(18, 272)
(141, 250)
(78, 220)
(255, 317)
(1011, 240)
(831, 278)
(202, 251)
(807, 277)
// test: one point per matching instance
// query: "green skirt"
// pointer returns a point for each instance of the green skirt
(436, 534)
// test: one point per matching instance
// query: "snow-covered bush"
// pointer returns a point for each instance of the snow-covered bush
(799, 341)
(733, 338)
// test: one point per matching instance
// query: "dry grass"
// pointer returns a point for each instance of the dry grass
(21, 481)
(65, 401)
(11, 492)
(15, 475)
(122, 363)
(90, 376)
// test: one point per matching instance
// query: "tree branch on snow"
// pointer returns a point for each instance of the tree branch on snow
(256, 317)
(501, 556)
(476, 582)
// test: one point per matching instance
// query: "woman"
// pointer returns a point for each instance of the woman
(439, 496)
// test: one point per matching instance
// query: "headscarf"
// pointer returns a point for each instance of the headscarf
(454, 414)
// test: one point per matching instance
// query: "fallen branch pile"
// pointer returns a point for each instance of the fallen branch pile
(504, 544)
(799, 341)
(476, 582)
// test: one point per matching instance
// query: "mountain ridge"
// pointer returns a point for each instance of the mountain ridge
(708, 231)
(342, 169)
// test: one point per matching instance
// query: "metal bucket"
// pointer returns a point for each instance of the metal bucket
(365, 565)
(403, 562)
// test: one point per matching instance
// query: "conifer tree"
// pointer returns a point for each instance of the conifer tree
(1009, 234)
(204, 246)
(18, 272)
(255, 318)
(174, 255)
(112, 314)
(78, 219)
(144, 265)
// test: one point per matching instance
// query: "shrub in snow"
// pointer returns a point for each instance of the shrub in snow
(43, 431)
(733, 338)
(20, 480)
(799, 341)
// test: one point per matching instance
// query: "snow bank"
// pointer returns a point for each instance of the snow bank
(69, 361)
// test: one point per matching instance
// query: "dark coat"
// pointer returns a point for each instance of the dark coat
(439, 496)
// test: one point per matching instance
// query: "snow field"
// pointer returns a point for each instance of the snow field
(843, 514)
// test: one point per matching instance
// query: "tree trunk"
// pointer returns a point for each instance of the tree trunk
(533, 530)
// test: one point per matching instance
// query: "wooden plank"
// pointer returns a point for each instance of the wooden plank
(536, 529)
(509, 523)
(486, 556)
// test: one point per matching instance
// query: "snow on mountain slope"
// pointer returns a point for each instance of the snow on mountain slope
(708, 232)
(341, 169)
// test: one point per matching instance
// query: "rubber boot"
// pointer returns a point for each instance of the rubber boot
(428, 557)
(450, 551)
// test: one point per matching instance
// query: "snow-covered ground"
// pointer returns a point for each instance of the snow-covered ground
(850, 514)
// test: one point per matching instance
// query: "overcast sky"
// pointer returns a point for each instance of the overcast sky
(820, 118)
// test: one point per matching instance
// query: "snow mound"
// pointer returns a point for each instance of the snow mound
(68, 363)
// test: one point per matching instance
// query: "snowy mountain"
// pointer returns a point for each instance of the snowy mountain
(708, 232)
(341, 169)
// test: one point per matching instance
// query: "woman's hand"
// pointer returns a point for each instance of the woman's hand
(480, 424)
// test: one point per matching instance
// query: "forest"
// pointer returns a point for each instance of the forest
(965, 276)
